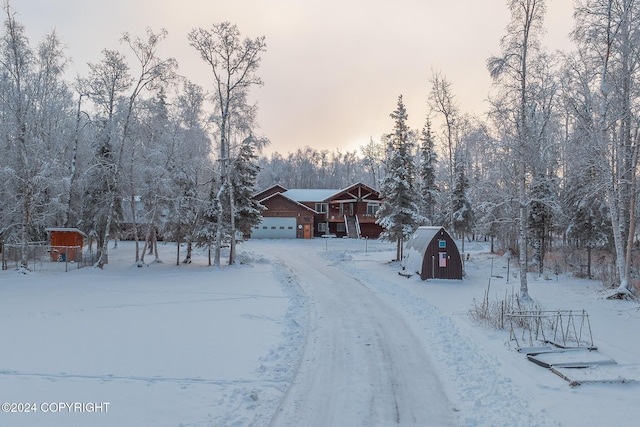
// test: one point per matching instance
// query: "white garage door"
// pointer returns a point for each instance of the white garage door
(275, 228)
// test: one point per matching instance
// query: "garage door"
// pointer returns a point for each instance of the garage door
(275, 228)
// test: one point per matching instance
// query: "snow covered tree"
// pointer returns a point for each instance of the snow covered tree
(442, 101)
(399, 211)
(185, 170)
(462, 209)
(589, 223)
(511, 70)
(245, 171)
(427, 173)
(373, 157)
(234, 63)
(35, 107)
(607, 34)
(106, 86)
(540, 218)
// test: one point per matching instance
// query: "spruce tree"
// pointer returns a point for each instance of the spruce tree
(462, 208)
(540, 219)
(248, 211)
(427, 173)
(399, 212)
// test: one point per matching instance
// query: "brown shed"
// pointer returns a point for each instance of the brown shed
(432, 253)
(66, 243)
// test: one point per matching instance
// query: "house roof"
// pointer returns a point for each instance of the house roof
(277, 188)
(310, 195)
(307, 195)
(277, 195)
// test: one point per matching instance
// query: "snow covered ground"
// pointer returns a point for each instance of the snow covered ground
(299, 330)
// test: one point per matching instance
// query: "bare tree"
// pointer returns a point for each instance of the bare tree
(34, 106)
(234, 63)
(607, 33)
(442, 101)
(107, 83)
(511, 71)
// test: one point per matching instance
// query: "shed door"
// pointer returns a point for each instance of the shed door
(275, 228)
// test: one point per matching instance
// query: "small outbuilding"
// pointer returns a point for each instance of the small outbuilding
(66, 243)
(432, 253)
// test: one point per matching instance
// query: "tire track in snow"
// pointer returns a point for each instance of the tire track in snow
(361, 365)
(480, 386)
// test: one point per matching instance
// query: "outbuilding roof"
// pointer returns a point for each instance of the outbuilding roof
(69, 230)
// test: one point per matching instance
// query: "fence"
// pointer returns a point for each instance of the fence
(41, 256)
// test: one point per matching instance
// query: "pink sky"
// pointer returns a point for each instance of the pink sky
(332, 71)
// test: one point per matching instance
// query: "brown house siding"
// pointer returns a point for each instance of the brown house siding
(279, 206)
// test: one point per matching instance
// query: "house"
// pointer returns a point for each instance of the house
(66, 244)
(432, 253)
(306, 213)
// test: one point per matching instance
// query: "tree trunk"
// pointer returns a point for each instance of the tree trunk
(134, 227)
(522, 240)
(232, 245)
(187, 258)
(632, 219)
(218, 238)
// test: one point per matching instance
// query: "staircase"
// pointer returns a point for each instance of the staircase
(352, 230)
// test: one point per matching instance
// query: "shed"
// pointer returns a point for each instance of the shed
(432, 253)
(66, 243)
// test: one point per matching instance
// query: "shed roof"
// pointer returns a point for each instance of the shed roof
(65, 229)
(422, 237)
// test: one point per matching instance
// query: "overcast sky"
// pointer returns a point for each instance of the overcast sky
(333, 69)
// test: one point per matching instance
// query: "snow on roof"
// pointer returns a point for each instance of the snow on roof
(74, 230)
(309, 195)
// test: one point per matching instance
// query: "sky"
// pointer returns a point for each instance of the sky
(332, 70)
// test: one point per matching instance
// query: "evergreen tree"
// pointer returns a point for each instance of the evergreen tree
(462, 209)
(399, 212)
(540, 219)
(245, 172)
(427, 173)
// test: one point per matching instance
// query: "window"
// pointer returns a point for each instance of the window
(442, 243)
(372, 208)
(322, 207)
(322, 227)
(340, 227)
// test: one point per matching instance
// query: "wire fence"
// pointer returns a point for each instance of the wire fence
(40, 256)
